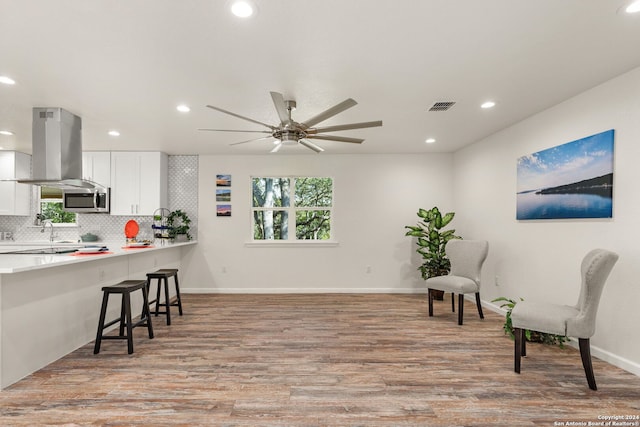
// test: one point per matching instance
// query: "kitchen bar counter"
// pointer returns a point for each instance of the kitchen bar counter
(16, 263)
(50, 304)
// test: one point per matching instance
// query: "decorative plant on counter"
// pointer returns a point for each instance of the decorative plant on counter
(178, 223)
(431, 242)
(531, 336)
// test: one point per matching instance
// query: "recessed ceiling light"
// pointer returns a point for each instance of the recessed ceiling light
(488, 104)
(114, 133)
(430, 140)
(183, 108)
(633, 7)
(242, 9)
(6, 80)
(6, 132)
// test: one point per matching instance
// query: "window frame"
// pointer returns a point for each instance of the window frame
(42, 200)
(292, 239)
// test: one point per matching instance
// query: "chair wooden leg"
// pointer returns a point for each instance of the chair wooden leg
(146, 314)
(519, 335)
(103, 313)
(460, 308)
(430, 299)
(127, 307)
(453, 305)
(479, 305)
(157, 298)
(123, 317)
(585, 353)
(178, 297)
(167, 301)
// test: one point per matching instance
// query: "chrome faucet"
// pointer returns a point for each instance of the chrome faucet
(44, 226)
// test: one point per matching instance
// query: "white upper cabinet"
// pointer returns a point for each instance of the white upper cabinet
(96, 167)
(138, 182)
(15, 198)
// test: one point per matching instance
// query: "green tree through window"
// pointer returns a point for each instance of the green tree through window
(272, 211)
(51, 206)
(53, 212)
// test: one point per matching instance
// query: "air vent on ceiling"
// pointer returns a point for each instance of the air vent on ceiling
(442, 105)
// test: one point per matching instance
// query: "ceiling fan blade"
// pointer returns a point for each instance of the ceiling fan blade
(348, 103)
(277, 148)
(346, 127)
(311, 145)
(336, 138)
(281, 107)
(234, 130)
(251, 140)
(240, 117)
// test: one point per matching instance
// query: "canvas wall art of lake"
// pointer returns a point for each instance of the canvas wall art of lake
(572, 180)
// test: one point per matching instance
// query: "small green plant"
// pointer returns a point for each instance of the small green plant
(178, 222)
(531, 336)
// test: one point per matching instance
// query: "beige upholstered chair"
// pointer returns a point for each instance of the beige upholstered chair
(577, 321)
(467, 257)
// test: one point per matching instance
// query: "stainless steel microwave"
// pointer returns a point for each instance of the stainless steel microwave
(87, 200)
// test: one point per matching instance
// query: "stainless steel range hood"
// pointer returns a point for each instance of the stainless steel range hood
(57, 150)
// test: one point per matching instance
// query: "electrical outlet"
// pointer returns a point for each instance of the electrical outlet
(101, 275)
(368, 269)
(223, 269)
(497, 280)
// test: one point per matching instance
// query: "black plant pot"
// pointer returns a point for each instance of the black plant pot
(438, 295)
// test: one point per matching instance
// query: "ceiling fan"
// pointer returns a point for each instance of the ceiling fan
(290, 132)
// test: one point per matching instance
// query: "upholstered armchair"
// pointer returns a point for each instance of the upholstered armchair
(467, 257)
(577, 321)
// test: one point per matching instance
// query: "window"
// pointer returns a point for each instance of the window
(274, 214)
(51, 207)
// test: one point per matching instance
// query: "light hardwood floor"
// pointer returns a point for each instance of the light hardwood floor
(319, 360)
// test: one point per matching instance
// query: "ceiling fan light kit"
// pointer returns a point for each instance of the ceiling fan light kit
(290, 132)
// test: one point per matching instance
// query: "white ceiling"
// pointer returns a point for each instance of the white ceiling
(126, 65)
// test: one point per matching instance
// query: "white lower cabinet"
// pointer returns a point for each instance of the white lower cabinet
(15, 198)
(138, 182)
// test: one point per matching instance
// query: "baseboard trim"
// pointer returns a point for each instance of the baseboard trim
(301, 291)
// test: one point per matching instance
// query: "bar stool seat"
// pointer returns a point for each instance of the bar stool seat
(125, 289)
(163, 276)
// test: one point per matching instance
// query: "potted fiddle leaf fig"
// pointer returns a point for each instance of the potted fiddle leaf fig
(431, 240)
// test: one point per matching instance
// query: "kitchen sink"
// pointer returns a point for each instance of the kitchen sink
(45, 251)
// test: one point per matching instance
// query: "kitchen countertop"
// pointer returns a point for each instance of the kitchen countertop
(16, 263)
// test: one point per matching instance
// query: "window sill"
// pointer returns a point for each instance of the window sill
(56, 225)
(287, 244)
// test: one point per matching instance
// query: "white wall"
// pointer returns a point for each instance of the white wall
(375, 197)
(539, 260)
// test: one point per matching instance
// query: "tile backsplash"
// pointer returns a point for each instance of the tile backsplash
(183, 194)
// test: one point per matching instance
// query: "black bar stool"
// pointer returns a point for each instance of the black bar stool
(163, 275)
(124, 288)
